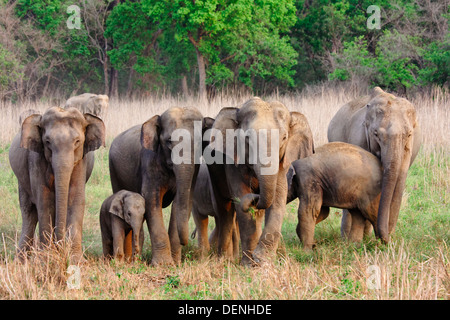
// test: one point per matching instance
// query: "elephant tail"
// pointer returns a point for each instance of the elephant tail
(194, 233)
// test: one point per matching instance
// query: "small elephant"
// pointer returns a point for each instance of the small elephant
(339, 175)
(96, 104)
(203, 206)
(122, 216)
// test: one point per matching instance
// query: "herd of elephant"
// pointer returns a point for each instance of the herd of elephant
(373, 141)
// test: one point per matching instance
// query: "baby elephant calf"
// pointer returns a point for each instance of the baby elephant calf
(121, 223)
(337, 175)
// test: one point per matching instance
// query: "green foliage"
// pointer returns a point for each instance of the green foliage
(436, 58)
(262, 44)
(240, 40)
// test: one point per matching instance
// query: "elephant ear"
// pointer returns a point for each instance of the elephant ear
(300, 142)
(31, 138)
(150, 132)
(116, 207)
(207, 124)
(95, 133)
(226, 119)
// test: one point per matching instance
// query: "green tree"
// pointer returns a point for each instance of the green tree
(230, 32)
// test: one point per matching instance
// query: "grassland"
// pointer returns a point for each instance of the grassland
(415, 265)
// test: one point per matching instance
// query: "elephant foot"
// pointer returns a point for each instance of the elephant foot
(77, 259)
(249, 261)
(162, 259)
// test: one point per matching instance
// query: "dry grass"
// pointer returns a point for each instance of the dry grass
(415, 265)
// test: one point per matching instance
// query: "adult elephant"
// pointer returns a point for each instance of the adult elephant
(387, 126)
(52, 160)
(140, 160)
(246, 180)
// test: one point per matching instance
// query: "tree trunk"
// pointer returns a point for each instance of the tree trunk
(201, 75)
(184, 86)
(130, 83)
(105, 74)
(114, 84)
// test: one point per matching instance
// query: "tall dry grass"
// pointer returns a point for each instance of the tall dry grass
(337, 270)
(318, 103)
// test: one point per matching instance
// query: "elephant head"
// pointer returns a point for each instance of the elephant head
(176, 135)
(63, 137)
(392, 134)
(130, 207)
(286, 136)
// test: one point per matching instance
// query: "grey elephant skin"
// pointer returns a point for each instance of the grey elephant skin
(140, 161)
(52, 159)
(96, 104)
(386, 126)
(203, 207)
(122, 216)
(239, 186)
(339, 175)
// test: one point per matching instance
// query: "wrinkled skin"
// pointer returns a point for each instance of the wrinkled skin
(240, 187)
(203, 206)
(96, 104)
(140, 161)
(339, 175)
(386, 126)
(122, 215)
(52, 159)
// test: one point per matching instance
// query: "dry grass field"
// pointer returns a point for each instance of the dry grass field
(415, 265)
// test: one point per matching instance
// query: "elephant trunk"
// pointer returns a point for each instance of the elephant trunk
(266, 196)
(395, 169)
(62, 169)
(136, 236)
(267, 189)
(182, 203)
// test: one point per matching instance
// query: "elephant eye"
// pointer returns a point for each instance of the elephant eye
(375, 133)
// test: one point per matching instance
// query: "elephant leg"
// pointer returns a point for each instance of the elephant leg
(307, 222)
(270, 236)
(118, 241)
(159, 238)
(213, 237)
(128, 246)
(235, 239)
(346, 224)
(251, 223)
(370, 213)
(107, 244)
(226, 215)
(141, 239)
(358, 224)
(46, 216)
(175, 245)
(367, 228)
(201, 222)
(29, 222)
